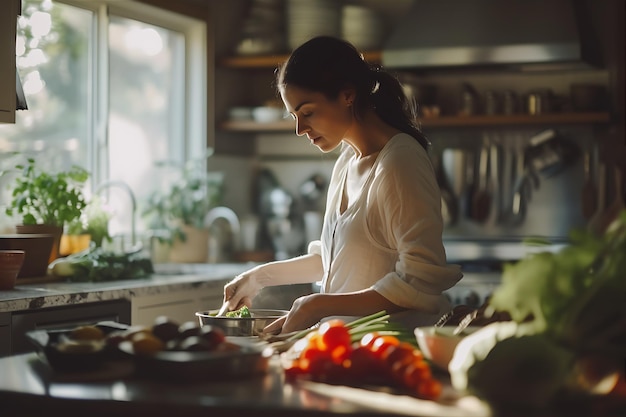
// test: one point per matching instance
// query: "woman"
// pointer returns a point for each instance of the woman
(381, 245)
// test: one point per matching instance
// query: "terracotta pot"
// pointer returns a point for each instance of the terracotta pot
(55, 231)
(10, 264)
(37, 249)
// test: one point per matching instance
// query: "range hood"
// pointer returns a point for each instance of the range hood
(520, 34)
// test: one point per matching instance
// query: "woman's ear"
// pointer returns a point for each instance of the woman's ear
(348, 96)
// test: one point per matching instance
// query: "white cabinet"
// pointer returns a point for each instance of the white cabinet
(9, 10)
(180, 306)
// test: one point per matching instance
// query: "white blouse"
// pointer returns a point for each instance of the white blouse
(388, 237)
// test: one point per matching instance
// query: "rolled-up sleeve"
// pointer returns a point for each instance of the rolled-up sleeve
(315, 247)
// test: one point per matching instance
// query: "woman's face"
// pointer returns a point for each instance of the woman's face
(325, 122)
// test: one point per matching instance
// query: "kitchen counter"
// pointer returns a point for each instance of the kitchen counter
(28, 387)
(166, 279)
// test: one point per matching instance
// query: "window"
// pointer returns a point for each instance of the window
(113, 87)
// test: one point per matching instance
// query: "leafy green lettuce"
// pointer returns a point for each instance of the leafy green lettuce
(576, 296)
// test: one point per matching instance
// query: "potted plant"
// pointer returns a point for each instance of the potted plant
(46, 202)
(177, 214)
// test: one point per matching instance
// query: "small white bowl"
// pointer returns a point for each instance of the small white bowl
(266, 114)
(438, 343)
(240, 113)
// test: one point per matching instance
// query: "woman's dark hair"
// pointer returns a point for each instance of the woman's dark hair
(328, 65)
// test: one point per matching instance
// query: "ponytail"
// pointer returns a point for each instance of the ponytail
(393, 106)
(327, 65)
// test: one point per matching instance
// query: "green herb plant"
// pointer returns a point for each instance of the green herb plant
(40, 197)
(186, 202)
(94, 221)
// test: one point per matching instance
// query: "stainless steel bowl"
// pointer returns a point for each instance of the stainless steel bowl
(241, 326)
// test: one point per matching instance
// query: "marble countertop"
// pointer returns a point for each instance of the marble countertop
(167, 277)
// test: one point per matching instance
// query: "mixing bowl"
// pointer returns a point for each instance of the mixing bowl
(241, 326)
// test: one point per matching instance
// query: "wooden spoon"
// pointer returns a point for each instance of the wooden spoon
(223, 310)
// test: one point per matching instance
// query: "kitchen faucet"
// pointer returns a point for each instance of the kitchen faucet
(231, 218)
(122, 185)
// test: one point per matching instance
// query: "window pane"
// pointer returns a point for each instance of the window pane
(145, 114)
(53, 46)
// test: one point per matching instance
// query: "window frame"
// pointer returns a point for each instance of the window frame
(192, 99)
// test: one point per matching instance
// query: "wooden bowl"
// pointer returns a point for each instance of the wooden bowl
(11, 262)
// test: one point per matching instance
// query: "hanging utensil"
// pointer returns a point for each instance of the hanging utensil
(481, 202)
(589, 192)
(519, 195)
(595, 224)
(617, 205)
(453, 169)
(495, 171)
(449, 204)
(467, 193)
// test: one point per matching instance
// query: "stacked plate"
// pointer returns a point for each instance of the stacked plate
(263, 29)
(309, 18)
(362, 27)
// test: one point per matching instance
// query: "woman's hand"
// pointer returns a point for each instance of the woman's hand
(241, 290)
(309, 310)
(305, 312)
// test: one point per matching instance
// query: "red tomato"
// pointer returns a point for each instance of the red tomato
(332, 334)
(320, 366)
(341, 353)
(429, 389)
(362, 363)
(403, 353)
(381, 343)
(415, 373)
(312, 353)
(295, 369)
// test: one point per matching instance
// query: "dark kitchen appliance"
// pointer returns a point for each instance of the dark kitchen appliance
(482, 263)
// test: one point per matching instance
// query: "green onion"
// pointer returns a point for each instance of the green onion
(377, 322)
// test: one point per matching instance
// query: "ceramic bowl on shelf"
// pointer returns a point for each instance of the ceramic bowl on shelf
(240, 113)
(11, 262)
(267, 114)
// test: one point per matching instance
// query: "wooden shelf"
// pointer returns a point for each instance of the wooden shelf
(273, 61)
(517, 119)
(445, 121)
